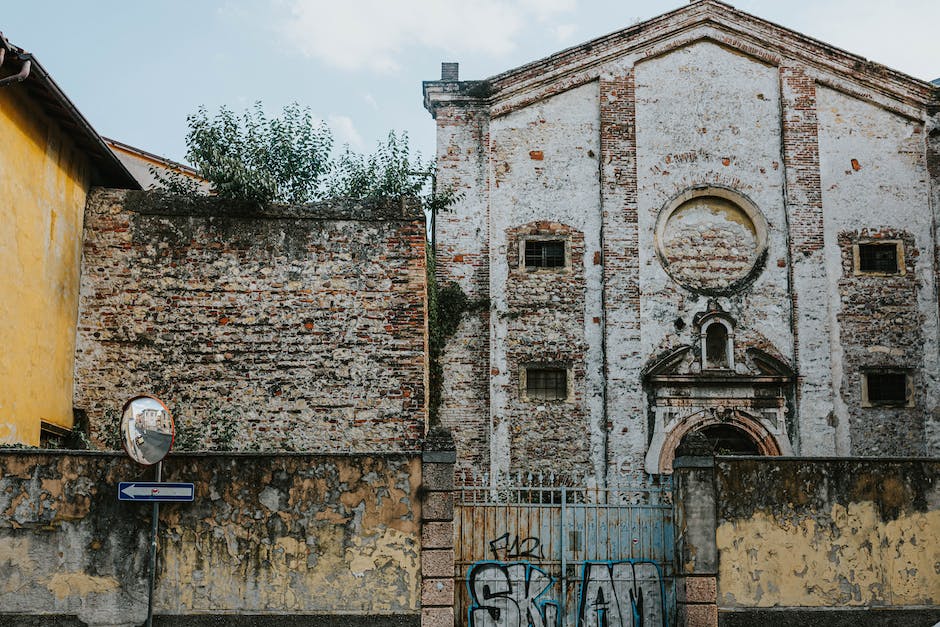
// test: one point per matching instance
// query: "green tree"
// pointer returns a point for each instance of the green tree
(287, 159)
(252, 157)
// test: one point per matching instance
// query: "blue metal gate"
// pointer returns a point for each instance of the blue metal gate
(540, 554)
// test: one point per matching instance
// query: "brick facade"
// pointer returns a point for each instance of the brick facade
(307, 325)
(780, 147)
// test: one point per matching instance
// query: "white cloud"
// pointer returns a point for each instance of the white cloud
(564, 33)
(345, 132)
(545, 9)
(356, 34)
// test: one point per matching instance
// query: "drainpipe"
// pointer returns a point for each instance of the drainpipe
(20, 76)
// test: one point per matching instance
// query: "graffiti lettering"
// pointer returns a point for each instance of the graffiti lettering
(622, 594)
(510, 595)
(504, 550)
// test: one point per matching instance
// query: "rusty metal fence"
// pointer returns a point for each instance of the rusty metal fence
(542, 551)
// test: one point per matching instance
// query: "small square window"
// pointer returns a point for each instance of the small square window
(885, 389)
(879, 258)
(546, 384)
(548, 253)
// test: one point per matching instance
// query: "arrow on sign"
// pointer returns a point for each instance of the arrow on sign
(149, 491)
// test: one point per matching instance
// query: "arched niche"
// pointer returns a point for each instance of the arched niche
(711, 239)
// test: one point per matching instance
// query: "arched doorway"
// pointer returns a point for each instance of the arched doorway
(718, 439)
(726, 431)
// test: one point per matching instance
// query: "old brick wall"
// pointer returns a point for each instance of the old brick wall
(272, 535)
(305, 326)
(462, 257)
(882, 328)
(544, 322)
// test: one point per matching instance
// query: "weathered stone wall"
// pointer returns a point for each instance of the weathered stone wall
(268, 535)
(544, 163)
(838, 535)
(810, 145)
(306, 326)
(932, 136)
(874, 181)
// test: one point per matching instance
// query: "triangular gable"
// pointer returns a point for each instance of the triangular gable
(704, 20)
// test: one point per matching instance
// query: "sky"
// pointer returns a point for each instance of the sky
(136, 69)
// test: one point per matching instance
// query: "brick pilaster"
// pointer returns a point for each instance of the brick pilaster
(437, 530)
(810, 303)
(624, 395)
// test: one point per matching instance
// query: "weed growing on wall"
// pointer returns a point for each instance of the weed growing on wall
(446, 306)
(255, 158)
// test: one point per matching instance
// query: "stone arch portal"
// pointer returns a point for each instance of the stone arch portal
(739, 422)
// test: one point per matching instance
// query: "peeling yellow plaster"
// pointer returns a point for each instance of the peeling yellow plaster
(290, 573)
(858, 560)
(64, 585)
(44, 184)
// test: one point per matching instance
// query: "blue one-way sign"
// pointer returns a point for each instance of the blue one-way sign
(152, 491)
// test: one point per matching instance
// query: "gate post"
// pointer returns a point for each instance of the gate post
(696, 550)
(437, 529)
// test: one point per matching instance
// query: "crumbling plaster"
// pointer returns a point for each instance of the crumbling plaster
(874, 183)
(275, 535)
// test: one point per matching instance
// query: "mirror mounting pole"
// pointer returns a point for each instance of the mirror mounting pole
(154, 527)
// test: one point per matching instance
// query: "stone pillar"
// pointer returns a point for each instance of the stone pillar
(437, 529)
(696, 550)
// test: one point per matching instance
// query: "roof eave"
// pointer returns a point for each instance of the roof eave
(106, 168)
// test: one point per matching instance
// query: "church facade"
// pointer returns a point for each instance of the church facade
(705, 228)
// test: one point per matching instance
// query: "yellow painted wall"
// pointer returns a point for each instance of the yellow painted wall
(43, 185)
(845, 556)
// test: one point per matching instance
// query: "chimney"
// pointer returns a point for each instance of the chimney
(450, 72)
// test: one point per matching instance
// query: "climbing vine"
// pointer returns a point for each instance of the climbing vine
(446, 306)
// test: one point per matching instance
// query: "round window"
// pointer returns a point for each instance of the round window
(711, 240)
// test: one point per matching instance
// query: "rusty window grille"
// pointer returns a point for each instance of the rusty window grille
(546, 384)
(544, 253)
(880, 258)
(886, 388)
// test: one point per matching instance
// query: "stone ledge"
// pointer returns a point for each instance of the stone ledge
(697, 590)
(437, 477)
(438, 506)
(437, 535)
(829, 617)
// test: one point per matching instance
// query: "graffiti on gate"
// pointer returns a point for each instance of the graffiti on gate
(507, 547)
(509, 594)
(627, 593)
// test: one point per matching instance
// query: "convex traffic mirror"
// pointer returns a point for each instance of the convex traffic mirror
(146, 429)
